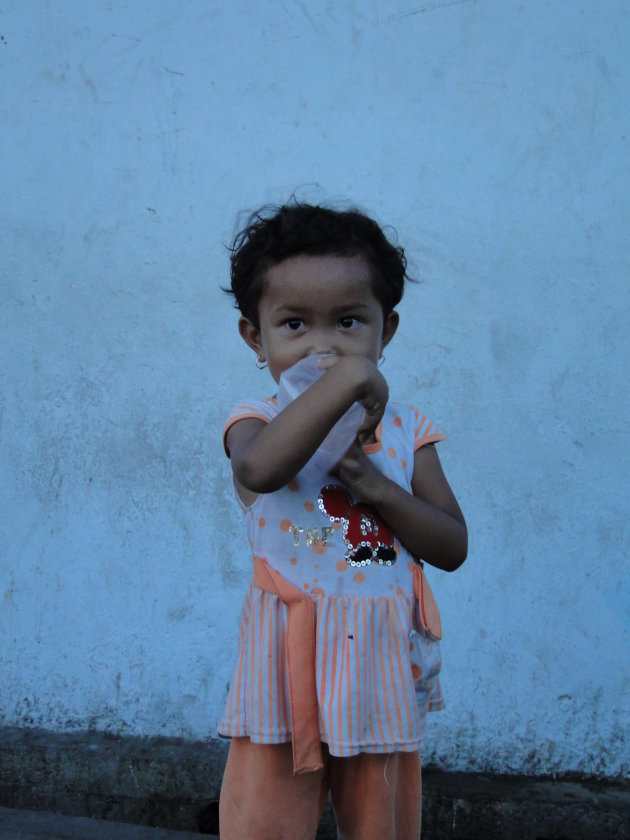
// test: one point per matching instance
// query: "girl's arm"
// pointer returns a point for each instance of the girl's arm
(265, 456)
(428, 523)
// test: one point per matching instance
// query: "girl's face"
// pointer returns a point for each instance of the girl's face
(318, 304)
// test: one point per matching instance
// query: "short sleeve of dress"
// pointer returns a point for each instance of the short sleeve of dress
(264, 410)
(424, 430)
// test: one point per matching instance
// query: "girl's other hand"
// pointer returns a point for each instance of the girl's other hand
(360, 475)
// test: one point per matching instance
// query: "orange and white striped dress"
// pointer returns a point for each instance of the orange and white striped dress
(376, 669)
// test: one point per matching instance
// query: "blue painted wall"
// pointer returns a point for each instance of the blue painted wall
(494, 137)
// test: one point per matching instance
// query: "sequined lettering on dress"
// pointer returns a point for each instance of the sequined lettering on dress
(312, 535)
(296, 531)
(367, 537)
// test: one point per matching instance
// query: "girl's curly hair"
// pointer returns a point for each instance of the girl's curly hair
(274, 233)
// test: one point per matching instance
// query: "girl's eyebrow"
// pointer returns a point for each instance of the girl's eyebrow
(352, 306)
(288, 309)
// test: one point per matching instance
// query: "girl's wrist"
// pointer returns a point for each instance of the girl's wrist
(379, 490)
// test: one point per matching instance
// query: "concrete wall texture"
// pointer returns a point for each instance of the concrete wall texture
(493, 135)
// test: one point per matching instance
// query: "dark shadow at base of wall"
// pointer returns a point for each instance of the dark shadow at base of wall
(174, 783)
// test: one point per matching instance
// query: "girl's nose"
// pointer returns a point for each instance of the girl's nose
(322, 344)
(323, 350)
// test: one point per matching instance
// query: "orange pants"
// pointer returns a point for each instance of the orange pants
(374, 796)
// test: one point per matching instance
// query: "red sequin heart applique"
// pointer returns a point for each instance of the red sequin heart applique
(365, 534)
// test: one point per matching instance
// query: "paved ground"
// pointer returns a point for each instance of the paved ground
(175, 784)
(41, 825)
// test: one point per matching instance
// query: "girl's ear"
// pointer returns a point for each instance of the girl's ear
(389, 328)
(250, 335)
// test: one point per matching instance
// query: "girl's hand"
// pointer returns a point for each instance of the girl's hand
(374, 403)
(373, 388)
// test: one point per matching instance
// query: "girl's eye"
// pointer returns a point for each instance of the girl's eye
(348, 322)
(295, 323)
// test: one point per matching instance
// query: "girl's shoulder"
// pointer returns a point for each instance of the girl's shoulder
(409, 420)
(264, 410)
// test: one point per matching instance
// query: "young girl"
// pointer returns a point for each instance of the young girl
(338, 654)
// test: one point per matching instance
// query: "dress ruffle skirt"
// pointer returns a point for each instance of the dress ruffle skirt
(376, 673)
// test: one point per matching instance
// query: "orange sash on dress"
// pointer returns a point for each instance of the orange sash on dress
(429, 612)
(307, 751)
